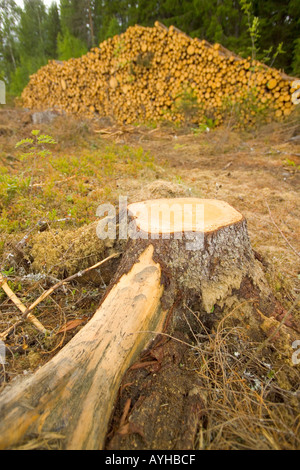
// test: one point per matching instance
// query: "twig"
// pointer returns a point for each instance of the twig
(7, 332)
(64, 281)
(291, 246)
(12, 296)
(27, 311)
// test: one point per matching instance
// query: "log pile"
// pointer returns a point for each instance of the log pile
(148, 74)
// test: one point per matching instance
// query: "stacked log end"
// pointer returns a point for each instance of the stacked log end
(149, 74)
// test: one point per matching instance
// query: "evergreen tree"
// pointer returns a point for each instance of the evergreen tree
(279, 23)
(32, 34)
(111, 17)
(52, 26)
(32, 43)
(76, 17)
(9, 54)
(146, 12)
(69, 46)
(296, 59)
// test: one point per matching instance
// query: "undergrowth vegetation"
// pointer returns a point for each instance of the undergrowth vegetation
(66, 186)
(250, 405)
(246, 111)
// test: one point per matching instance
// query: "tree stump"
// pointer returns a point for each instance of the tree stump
(178, 249)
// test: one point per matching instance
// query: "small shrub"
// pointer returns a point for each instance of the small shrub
(186, 104)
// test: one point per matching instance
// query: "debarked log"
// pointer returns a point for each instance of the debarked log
(179, 248)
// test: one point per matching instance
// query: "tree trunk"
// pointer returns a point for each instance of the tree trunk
(183, 248)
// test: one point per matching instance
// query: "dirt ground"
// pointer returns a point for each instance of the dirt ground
(191, 391)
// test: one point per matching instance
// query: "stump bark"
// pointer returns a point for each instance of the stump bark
(182, 249)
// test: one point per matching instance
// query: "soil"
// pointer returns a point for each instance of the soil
(159, 389)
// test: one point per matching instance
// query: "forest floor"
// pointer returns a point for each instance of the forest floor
(48, 232)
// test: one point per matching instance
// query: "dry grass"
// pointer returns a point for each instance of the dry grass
(248, 405)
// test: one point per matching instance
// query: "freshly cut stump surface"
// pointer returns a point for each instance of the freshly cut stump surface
(188, 214)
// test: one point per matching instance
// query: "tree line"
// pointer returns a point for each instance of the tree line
(32, 35)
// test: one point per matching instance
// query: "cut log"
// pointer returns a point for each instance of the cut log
(178, 248)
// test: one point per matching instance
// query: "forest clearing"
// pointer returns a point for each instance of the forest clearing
(48, 234)
(160, 334)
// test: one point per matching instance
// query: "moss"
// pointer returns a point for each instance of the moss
(34, 359)
(66, 252)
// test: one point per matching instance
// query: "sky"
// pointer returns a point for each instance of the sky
(46, 2)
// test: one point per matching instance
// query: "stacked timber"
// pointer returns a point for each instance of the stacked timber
(148, 74)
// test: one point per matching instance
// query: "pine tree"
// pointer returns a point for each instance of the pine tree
(69, 46)
(76, 16)
(52, 27)
(32, 36)
(31, 45)
(112, 17)
(9, 54)
(296, 59)
(279, 23)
